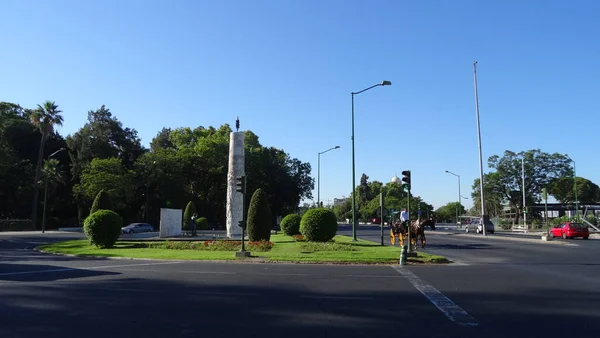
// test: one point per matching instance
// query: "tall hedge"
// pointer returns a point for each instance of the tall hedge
(101, 202)
(259, 217)
(290, 224)
(190, 210)
(103, 228)
(318, 225)
(201, 223)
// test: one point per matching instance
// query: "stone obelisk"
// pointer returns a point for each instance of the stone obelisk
(235, 207)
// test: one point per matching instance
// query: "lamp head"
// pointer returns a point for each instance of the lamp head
(386, 83)
(337, 147)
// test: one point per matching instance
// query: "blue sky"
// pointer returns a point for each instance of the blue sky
(287, 68)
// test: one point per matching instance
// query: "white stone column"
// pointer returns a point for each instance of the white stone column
(235, 208)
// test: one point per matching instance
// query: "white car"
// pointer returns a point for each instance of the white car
(137, 227)
(476, 226)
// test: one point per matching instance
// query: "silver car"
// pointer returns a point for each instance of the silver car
(476, 226)
(137, 227)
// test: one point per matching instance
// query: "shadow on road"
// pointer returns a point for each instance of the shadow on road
(136, 307)
(45, 273)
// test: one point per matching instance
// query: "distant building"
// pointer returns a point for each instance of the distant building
(339, 201)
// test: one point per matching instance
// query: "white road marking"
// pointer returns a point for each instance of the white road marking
(211, 272)
(337, 297)
(454, 312)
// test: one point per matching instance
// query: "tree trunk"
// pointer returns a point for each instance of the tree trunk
(36, 186)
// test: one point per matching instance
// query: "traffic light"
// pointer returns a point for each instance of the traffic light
(240, 184)
(406, 179)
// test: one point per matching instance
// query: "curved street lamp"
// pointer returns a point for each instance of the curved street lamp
(319, 175)
(575, 187)
(354, 220)
(46, 192)
(459, 213)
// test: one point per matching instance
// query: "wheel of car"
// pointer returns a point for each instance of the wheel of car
(147, 230)
(551, 234)
(564, 236)
(586, 238)
(130, 232)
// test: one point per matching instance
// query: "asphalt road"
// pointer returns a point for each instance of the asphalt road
(497, 288)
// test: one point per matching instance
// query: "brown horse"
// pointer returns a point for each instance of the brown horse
(417, 231)
(398, 231)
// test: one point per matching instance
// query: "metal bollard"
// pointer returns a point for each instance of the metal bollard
(403, 255)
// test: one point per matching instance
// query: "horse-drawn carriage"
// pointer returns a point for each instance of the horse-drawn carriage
(400, 231)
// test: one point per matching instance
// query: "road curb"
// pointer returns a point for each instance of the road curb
(505, 238)
(255, 260)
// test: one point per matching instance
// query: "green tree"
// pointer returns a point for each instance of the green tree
(102, 201)
(562, 189)
(259, 217)
(45, 118)
(504, 183)
(109, 175)
(102, 137)
(449, 212)
(161, 140)
(190, 210)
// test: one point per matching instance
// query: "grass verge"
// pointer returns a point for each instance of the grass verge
(285, 249)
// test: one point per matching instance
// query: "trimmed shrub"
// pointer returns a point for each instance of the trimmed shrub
(190, 210)
(103, 228)
(259, 217)
(101, 202)
(318, 225)
(201, 223)
(290, 224)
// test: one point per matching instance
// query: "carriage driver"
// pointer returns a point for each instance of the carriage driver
(404, 217)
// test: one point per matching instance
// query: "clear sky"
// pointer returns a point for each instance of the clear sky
(287, 67)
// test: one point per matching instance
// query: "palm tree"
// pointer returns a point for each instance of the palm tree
(44, 118)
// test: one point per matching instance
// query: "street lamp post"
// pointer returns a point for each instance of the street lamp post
(319, 175)
(354, 220)
(459, 213)
(46, 193)
(575, 188)
(483, 214)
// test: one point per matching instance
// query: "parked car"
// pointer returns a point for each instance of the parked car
(569, 230)
(376, 220)
(137, 227)
(475, 225)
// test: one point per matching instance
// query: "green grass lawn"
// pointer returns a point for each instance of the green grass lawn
(285, 249)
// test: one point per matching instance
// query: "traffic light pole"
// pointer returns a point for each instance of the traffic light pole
(241, 187)
(381, 218)
(406, 179)
(408, 207)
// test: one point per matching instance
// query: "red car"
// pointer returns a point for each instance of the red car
(376, 220)
(569, 230)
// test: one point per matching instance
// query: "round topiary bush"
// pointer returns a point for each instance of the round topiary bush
(259, 217)
(318, 225)
(103, 228)
(290, 224)
(201, 223)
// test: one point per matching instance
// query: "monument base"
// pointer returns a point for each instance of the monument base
(242, 254)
